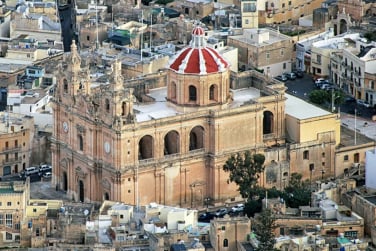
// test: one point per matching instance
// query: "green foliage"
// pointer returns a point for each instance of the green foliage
(339, 97)
(298, 192)
(264, 230)
(293, 33)
(164, 2)
(318, 96)
(245, 170)
(371, 36)
(252, 206)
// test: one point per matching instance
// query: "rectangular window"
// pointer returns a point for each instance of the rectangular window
(284, 66)
(306, 154)
(37, 232)
(346, 158)
(8, 236)
(88, 38)
(267, 55)
(17, 226)
(1, 219)
(282, 52)
(9, 220)
(9, 203)
(318, 59)
(249, 7)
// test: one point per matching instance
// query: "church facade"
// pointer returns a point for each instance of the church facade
(168, 145)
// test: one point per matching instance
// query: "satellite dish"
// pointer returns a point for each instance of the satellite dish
(86, 212)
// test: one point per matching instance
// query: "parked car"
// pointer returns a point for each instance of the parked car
(282, 78)
(363, 103)
(31, 170)
(206, 217)
(47, 175)
(45, 168)
(291, 76)
(350, 100)
(237, 208)
(221, 212)
(299, 73)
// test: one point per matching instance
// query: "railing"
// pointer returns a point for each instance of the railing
(10, 149)
(170, 157)
(12, 160)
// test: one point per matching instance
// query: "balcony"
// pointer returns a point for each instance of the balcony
(12, 161)
(11, 149)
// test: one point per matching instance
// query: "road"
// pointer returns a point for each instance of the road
(301, 87)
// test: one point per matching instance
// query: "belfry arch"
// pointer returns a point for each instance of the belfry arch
(145, 147)
(171, 143)
(196, 138)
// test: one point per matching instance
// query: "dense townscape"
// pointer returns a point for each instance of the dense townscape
(216, 125)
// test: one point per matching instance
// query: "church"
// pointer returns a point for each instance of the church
(168, 143)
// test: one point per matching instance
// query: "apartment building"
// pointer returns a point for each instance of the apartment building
(14, 197)
(322, 52)
(266, 50)
(358, 59)
(16, 135)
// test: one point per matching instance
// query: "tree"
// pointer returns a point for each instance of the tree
(318, 96)
(245, 169)
(263, 227)
(298, 192)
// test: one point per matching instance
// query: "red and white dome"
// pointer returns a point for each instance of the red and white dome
(197, 58)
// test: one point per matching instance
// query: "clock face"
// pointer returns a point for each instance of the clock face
(107, 147)
(65, 126)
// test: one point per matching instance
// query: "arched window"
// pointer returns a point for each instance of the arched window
(171, 143)
(107, 105)
(145, 147)
(268, 122)
(192, 93)
(225, 243)
(80, 142)
(213, 93)
(123, 108)
(81, 191)
(65, 85)
(173, 90)
(196, 138)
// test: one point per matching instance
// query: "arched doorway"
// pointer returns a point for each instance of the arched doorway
(106, 196)
(145, 148)
(81, 189)
(171, 143)
(196, 138)
(342, 26)
(65, 182)
(267, 123)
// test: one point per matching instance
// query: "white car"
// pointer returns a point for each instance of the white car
(237, 208)
(47, 175)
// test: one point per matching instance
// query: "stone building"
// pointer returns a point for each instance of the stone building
(14, 197)
(167, 142)
(16, 135)
(263, 49)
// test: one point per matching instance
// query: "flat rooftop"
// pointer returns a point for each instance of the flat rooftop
(301, 109)
(162, 109)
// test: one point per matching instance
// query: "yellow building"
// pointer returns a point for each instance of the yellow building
(16, 135)
(14, 196)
